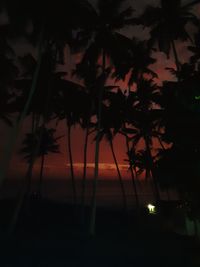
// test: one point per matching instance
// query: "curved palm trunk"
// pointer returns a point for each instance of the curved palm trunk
(167, 189)
(71, 163)
(25, 191)
(176, 56)
(84, 172)
(35, 125)
(119, 175)
(96, 173)
(11, 140)
(161, 144)
(41, 176)
(133, 177)
(150, 171)
(33, 122)
(97, 147)
(13, 222)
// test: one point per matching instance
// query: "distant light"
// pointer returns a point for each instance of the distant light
(151, 208)
(197, 97)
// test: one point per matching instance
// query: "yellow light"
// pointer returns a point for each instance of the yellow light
(151, 208)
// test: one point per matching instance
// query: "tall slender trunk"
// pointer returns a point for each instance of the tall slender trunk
(27, 187)
(164, 149)
(11, 140)
(150, 170)
(119, 175)
(132, 176)
(71, 162)
(177, 62)
(161, 144)
(97, 147)
(84, 172)
(28, 178)
(25, 191)
(41, 176)
(33, 123)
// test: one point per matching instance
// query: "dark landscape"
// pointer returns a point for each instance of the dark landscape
(100, 133)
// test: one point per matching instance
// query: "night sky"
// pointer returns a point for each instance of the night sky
(56, 165)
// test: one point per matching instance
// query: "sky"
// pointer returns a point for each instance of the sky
(58, 165)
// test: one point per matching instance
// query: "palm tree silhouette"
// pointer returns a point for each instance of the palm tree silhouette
(168, 24)
(8, 73)
(137, 63)
(69, 106)
(43, 104)
(88, 72)
(145, 121)
(110, 126)
(44, 33)
(105, 41)
(132, 166)
(47, 144)
(195, 49)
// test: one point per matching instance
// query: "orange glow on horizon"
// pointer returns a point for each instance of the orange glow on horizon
(102, 166)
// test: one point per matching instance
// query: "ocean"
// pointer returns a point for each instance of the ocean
(108, 191)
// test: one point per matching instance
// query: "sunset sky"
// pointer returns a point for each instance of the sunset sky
(57, 165)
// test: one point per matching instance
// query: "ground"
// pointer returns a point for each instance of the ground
(47, 235)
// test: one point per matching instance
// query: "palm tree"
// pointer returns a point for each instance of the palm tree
(90, 74)
(145, 121)
(42, 106)
(48, 144)
(110, 126)
(137, 63)
(167, 24)
(45, 32)
(132, 166)
(8, 73)
(69, 106)
(105, 41)
(7, 150)
(195, 49)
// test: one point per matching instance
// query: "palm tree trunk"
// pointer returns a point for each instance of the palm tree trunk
(33, 157)
(119, 175)
(133, 177)
(97, 147)
(11, 140)
(161, 143)
(33, 122)
(84, 172)
(164, 149)
(71, 162)
(15, 217)
(41, 176)
(177, 62)
(156, 188)
(23, 195)
(26, 188)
